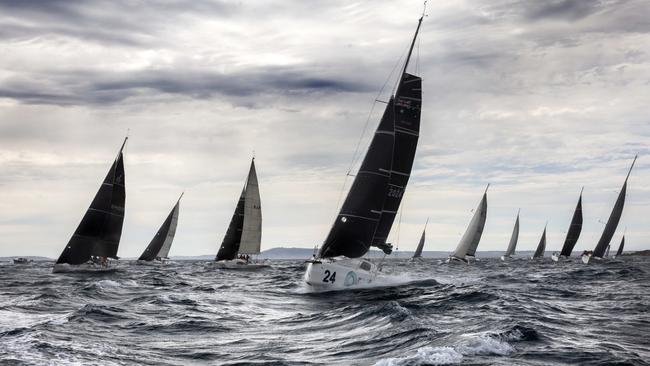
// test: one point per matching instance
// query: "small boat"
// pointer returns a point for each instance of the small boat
(466, 249)
(620, 248)
(22, 260)
(158, 249)
(94, 244)
(418, 251)
(607, 251)
(368, 212)
(513, 241)
(541, 247)
(612, 223)
(244, 235)
(573, 234)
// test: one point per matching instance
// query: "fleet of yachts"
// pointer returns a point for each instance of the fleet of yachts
(365, 218)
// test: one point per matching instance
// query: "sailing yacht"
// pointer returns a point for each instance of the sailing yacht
(158, 249)
(620, 248)
(244, 235)
(599, 252)
(418, 251)
(573, 234)
(513, 241)
(368, 212)
(466, 249)
(541, 247)
(97, 237)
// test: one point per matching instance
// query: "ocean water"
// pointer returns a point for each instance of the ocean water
(185, 313)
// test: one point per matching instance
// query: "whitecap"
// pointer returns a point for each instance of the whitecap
(426, 355)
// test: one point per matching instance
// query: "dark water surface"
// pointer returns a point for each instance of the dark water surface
(488, 313)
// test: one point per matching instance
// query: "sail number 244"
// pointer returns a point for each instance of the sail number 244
(329, 276)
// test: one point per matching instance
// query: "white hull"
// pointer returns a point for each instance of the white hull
(83, 268)
(240, 264)
(453, 259)
(155, 262)
(340, 273)
(588, 258)
(505, 258)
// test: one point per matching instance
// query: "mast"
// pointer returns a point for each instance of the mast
(614, 218)
(575, 228)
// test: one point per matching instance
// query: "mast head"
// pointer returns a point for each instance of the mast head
(632, 166)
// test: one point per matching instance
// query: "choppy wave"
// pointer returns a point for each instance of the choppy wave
(520, 313)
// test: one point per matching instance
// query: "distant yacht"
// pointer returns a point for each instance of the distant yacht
(466, 249)
(22, 260)
(541, 247)
(368, 212)
(573, 234)
(513, 241)
(158, 249)
(418, 251)
(244, 235)
(599, 252)
(98, 235)
(620, 248)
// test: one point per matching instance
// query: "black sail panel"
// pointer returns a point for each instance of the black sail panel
(99, 231)
(620, 247)
(574, 230)
(232, 239)
(541, 247)
(611, 225)
(352, 232)
(408, 101)
(152, 250)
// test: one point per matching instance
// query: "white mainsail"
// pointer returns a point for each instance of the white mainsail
(167, 244)
(472, 236)
(513, 239)
(251, 237)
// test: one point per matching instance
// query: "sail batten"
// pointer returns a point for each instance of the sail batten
(100, 229)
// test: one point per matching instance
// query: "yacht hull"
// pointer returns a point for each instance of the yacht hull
(238, 264)
(340, 273)
(83, 268)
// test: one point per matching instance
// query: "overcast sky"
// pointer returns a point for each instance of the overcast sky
(538, 98)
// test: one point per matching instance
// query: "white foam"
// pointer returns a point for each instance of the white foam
(426, 355)
(10, 320)
(483, 344)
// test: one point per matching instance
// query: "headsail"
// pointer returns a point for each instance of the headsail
(230, 243)
(541, 247)
(162, 241)
(369, 209)
(607, 251)
(99, 231)
(251, 236)
(620, 247)
(469, 242)
(613, 220)
(574, 230)
(513, 239)
(418, 250)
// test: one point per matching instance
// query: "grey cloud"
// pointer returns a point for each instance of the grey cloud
(562, 9)
(94, 88)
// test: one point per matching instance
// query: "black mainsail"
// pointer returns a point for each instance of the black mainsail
(245, 229)
(574, 229)
(541, 247)
(620, 247)
(99, 232)
(512, 246)
(418, 250)
(613, 220)
(159, 246)
(368, 212)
